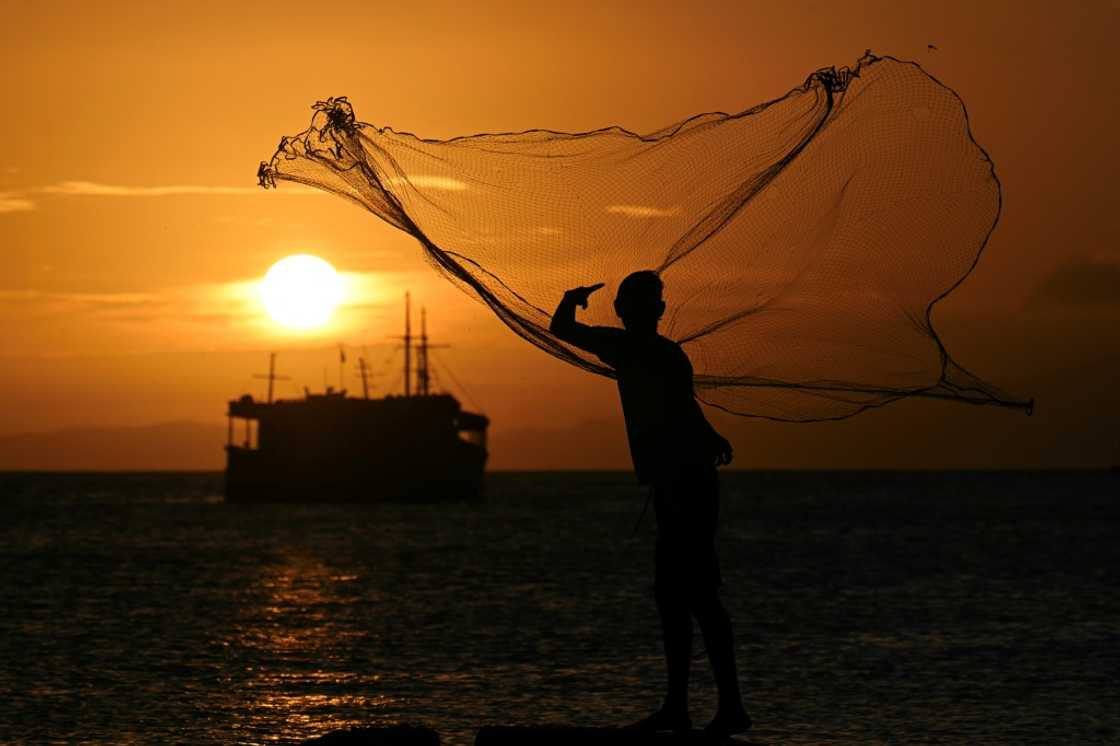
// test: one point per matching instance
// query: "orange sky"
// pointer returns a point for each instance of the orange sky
(131, 229)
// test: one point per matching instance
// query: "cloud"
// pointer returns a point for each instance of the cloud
(86, 303)
(93, 189)
(439, 183)
(256, 222)
(642, 211)
(11, 202)
(214, 317)
(1082, 284)
(217, 302)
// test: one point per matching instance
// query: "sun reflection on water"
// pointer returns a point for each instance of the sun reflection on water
(309, 664)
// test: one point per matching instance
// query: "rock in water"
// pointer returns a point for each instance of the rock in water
(401, 735)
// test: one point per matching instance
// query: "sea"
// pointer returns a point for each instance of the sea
(869, 608)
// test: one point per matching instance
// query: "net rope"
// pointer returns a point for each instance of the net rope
(802, 243)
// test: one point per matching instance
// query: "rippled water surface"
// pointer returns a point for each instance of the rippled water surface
(870, 608)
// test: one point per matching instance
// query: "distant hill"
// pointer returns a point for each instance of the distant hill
(164, 446)
(187, 446)
(589, 445)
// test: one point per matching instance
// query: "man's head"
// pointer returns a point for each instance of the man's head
(638, 302)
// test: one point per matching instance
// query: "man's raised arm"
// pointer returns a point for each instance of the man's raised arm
(564, 324)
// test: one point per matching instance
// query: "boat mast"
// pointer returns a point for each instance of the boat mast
(342, 368)
(424, 371)
(365, 377)
(272, 377)
(271, 374)
(422, 356)
(407, 344)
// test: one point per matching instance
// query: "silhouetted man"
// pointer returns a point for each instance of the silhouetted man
(676, 450)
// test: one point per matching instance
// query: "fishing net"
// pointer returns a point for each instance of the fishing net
(802, 243)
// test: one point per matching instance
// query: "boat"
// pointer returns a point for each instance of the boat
(418, 446)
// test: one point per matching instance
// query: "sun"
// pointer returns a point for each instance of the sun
(301, 291)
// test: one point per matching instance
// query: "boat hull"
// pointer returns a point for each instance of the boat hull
(252, 476)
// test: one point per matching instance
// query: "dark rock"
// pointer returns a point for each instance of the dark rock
(400, 735)
(501, 735)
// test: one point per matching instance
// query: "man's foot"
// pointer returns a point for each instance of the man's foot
(725, 725)
(663, 720)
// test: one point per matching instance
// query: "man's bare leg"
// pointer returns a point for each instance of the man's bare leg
(676, 632)
(715, 625)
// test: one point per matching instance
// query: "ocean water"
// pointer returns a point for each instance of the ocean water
(869, 608)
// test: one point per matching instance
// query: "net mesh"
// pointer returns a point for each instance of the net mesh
(802, 243)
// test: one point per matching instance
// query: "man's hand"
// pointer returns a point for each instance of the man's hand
(722, 450)
(579, 296)
(564, 324)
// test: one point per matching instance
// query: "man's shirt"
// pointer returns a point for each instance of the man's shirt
(664, 423)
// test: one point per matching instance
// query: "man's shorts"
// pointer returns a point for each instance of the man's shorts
(687, 508)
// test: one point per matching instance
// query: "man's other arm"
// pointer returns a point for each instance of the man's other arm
(718, 446)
